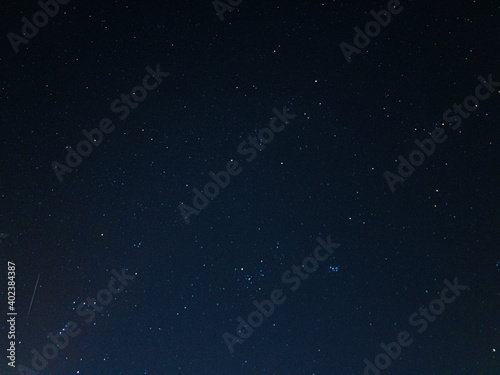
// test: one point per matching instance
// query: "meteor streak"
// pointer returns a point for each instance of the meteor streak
(34, 291)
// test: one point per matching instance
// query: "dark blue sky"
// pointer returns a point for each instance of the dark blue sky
(175, 94)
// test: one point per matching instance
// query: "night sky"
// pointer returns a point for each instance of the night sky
(265, 188)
